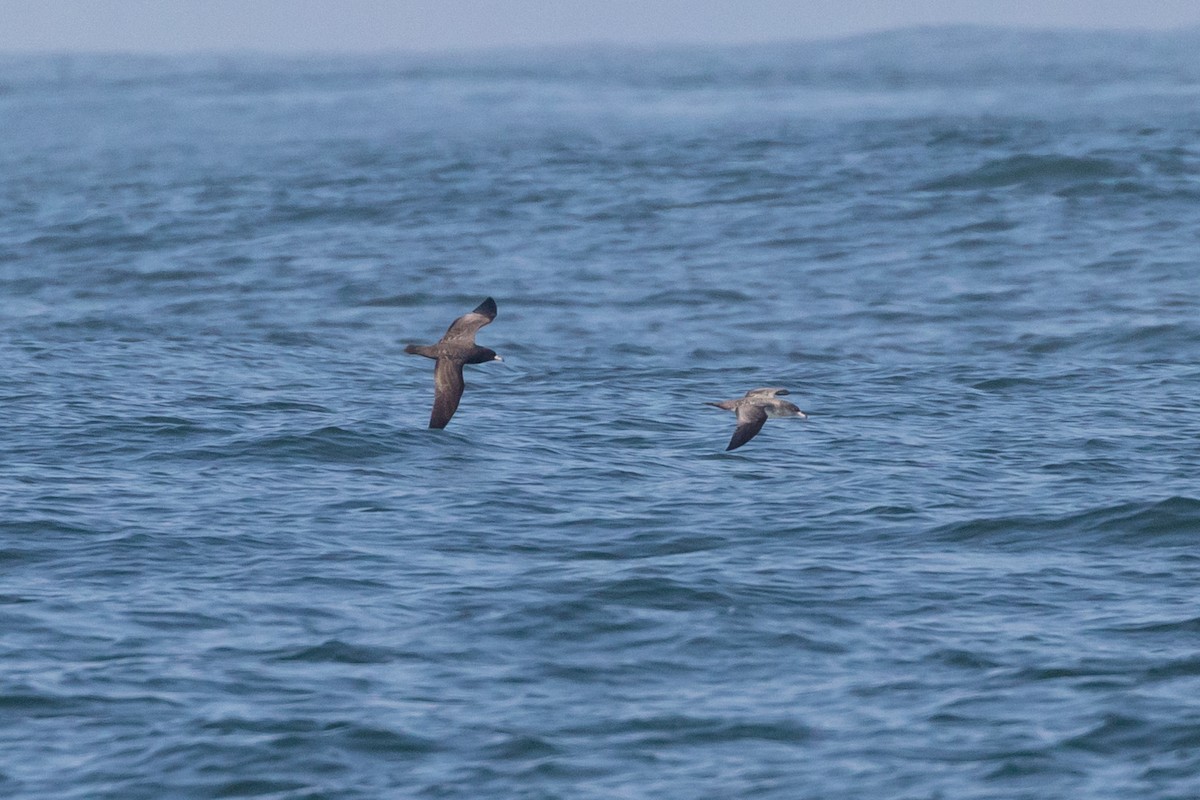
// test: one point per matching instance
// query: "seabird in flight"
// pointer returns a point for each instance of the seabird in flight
(754, 409)
(456, 348)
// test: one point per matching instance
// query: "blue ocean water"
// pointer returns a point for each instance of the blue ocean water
(236, 563)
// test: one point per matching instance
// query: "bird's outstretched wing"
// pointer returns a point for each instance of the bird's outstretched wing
(767, 391)
(448, 389)
(463, 329)
(750, 420)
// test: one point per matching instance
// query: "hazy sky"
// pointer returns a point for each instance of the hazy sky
(366, 25)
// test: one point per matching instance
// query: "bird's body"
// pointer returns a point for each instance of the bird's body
(754, 410)
(454, 350)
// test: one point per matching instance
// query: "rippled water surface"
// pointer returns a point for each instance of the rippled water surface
(237, 564)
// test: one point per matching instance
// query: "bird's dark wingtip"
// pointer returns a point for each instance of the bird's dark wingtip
(487, 308)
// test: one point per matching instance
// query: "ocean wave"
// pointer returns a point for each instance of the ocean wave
(1188, 625)
(335, 651)
(1126, 733)
(660, 592)
(685, 730)
(1033, 171)
(1173, 521)
(301, 733)
(330, 443)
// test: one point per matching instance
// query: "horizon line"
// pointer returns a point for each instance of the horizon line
(594, 43)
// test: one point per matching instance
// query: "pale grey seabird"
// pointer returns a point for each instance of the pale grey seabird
(456, 348)
(754, 409)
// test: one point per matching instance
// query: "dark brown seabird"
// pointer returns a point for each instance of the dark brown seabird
(754, 409)
(456, 348)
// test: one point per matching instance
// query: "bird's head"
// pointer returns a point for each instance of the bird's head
(480, 355)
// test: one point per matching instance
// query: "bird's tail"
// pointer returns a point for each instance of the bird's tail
(420, 350)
